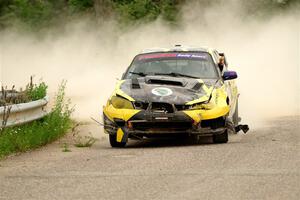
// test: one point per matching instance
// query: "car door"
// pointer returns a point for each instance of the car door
(230, 85)
(232, 90)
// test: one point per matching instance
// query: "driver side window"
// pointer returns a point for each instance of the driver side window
(221, 59)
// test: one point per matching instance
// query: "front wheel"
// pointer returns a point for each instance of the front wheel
(221, 138)
(114, 143)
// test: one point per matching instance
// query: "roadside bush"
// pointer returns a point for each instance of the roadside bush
(36, 91)
(147, 10)
(80, 5)
(40, 14)
(41, 132)
(32, 92)
(31, 13)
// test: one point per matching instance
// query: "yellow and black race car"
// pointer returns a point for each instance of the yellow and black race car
(170, 92)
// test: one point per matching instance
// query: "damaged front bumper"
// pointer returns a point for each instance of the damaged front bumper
(200, 132)
(150, 124)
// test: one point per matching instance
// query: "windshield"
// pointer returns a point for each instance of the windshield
(191, 65)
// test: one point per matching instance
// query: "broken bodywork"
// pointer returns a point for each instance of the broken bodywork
(159, 104)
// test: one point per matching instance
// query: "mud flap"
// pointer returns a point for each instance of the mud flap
(122, 135)
(244, 128)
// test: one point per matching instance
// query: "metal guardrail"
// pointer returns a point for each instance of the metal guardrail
(24, 112)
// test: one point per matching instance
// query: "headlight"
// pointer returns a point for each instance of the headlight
(121, 103)
(202, 106)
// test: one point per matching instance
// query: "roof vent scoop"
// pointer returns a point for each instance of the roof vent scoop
(164, 82)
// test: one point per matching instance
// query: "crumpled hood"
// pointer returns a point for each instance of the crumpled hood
(166, 89)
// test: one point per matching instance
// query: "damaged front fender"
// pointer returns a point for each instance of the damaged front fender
(198, 115)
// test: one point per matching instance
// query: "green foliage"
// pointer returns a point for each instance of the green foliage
(36, 92)
(170, 10)
(38, 133)
(80, 5)
(138, 9)
(146, 10)
(38, 14)
(32, 92)
(31, 13)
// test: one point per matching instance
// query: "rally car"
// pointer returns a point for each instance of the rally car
(170, 92)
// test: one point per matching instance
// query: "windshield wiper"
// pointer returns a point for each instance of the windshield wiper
(139, 73)
(176, 75)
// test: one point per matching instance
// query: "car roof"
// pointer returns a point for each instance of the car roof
(177, 48)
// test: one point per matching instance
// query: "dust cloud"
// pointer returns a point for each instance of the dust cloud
(265, 53)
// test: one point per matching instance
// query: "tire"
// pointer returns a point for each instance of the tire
(222, 138)
(113, 142)
(193, 139)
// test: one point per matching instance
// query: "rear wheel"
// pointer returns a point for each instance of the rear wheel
(113, 141)
(221, 138)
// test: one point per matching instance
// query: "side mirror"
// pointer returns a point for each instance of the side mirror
(229, 75)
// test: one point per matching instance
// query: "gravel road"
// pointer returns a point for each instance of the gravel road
(263, 164)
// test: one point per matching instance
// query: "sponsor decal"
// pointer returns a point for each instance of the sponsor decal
(157, 55)
(201, 56)
(162, 91)
(184, 55)
(173, 55)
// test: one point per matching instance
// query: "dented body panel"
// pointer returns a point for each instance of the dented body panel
(154, 105)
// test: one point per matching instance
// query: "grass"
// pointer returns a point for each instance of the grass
(65, 148)
(82, 141)
(86, 141)
(36, 91)
(38, 133)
